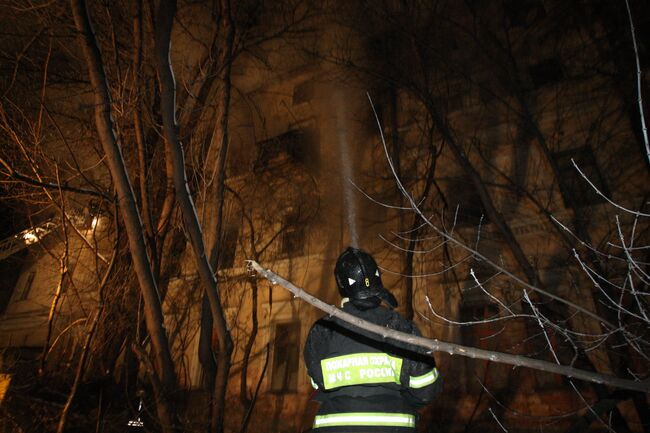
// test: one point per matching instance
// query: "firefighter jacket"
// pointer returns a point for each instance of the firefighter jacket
(366, 383)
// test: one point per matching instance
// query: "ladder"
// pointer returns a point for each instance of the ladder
(11, 245)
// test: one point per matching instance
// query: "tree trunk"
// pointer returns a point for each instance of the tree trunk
(143, 158)
(251, 406)
(164, 367)
(220, 136)
(165, 19)
(243, 388)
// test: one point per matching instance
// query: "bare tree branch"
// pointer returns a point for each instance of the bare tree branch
(450, 348)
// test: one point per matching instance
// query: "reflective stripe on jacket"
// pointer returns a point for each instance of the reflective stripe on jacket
(375, 419)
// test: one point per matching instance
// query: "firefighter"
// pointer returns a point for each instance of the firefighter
(365, 383)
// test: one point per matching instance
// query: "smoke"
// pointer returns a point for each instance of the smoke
(350, 206)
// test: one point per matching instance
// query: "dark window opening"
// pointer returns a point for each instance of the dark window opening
(286, 353)
(455, 102)
(293, 243)
(485, 93)
(482, 270)
(228, 247)
(303, 92)
(27, 286)
(572, 184)
(237, 164)
(385, 110)
(293, 238)
(520, 13)
(381, 112)
(481, 335)
(10, 271)
(465, 206)
(298, 145)
(287, 144)
(546, 72)
(387, 45)
(451, 43)
(455, 97)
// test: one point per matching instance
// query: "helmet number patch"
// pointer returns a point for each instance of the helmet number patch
(367, 281)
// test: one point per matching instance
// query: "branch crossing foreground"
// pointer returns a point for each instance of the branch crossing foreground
(434, 345)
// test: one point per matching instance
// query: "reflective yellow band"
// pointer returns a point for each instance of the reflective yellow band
(365, 419)
(424, 380)
(360, 369)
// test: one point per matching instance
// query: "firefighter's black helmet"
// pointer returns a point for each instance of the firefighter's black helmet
(358, 278)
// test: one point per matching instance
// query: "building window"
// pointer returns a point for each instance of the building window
(481, 335)
(455, 102)
(457, 96)
(274, 148)
(228, 247)
(485, 92)
(573, 184)
(23, 294)
(293, 238)
(298, 145)
(482, 269)
(237, 164)
(286, 353)
(293, 242)
(549, 71)
(520, 13)
(303, 92)
(465, 206)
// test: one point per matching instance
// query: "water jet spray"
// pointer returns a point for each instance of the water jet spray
(350, 207)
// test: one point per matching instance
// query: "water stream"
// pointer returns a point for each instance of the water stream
(349, 203)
